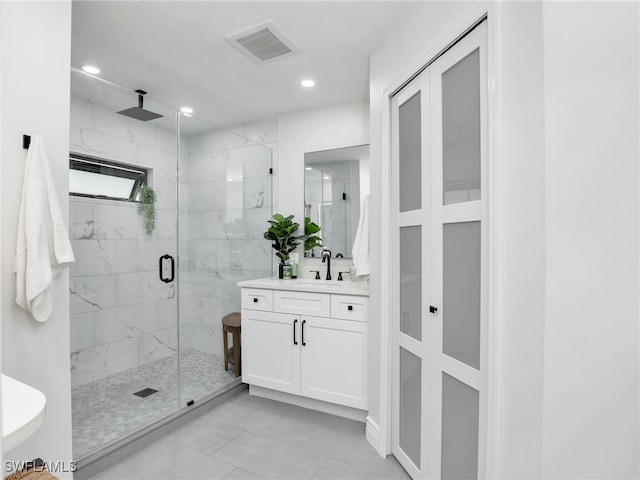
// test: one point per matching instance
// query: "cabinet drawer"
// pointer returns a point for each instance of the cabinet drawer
(301, 303)
(257, 299)
(349, 307)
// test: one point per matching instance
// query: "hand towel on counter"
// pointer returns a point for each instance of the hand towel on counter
(43, 247)
(360, 249)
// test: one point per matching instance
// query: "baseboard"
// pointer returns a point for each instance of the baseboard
(373, 436)
(311, 403)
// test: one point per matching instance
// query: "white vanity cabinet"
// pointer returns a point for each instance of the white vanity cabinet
(306, 343)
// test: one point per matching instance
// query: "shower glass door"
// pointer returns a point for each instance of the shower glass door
(123, 286)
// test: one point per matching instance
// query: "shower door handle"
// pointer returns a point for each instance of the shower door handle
(161, 269)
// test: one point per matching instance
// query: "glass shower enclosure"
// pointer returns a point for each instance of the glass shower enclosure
(153, 280)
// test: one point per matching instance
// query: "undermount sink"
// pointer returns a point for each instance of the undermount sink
(23, 412)
(317, 283)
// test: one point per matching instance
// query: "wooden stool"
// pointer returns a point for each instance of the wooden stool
(231, 324)
(37, 473)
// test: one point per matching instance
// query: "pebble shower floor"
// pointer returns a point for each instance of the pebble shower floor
(105, 410)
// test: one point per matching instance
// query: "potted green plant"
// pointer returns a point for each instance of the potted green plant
(282, 233)
(147, 207)
(311, 240)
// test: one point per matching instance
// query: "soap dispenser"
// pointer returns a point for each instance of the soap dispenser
(294, 265)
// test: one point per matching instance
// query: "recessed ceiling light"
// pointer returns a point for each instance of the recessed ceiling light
(187, 110)
(327, 177)
(307, 83)
(307, 168)
(91, 69)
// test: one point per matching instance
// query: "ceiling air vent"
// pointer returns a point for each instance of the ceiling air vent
(263, 42)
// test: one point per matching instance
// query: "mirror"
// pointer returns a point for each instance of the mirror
(332, 194)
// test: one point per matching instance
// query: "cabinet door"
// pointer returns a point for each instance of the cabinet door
(333, 357)
(271, 350)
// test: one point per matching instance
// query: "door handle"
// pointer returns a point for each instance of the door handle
(295, 342)
(164, 257)
(303, 322)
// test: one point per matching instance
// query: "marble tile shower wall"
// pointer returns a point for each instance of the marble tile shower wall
(225, 205)
(338, 218)
(122, 316)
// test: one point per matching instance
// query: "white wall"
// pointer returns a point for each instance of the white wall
(524, 239)
(35, 42)
(591, 81)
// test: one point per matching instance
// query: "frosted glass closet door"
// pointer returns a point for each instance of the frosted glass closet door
(458, 213)
(439, 159)
(411, 202)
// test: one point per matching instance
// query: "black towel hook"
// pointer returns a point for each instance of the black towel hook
(26, 141)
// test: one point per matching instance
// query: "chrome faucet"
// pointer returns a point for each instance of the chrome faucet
(326, 257)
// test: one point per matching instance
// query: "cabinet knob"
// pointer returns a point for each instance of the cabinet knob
(349, 307)
(433, 309)
(255, 300)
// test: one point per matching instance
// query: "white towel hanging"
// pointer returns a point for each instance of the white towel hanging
(43, 247)
(360, 249)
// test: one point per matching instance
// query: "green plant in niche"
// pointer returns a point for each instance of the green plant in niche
(282, 234)
(147, 207)
(311, 240)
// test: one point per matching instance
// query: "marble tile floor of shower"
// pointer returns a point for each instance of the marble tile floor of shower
(105, 410)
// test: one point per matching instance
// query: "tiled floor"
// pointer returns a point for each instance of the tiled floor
(251, 437)
(107, 409)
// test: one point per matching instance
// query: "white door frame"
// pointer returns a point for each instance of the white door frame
(381, 434)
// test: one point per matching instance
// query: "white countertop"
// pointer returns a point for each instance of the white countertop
(23, 412)
(345, 287)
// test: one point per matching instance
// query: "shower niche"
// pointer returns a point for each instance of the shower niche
(146, 304)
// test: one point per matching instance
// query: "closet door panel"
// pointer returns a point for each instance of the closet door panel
(410, 151)
(458, 246)
(461, 292)
(461, 150)
(411, 281)
(410, 157)
(460, 419)
(410, 438)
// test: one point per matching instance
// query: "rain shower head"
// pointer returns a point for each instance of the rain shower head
(138, 112)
